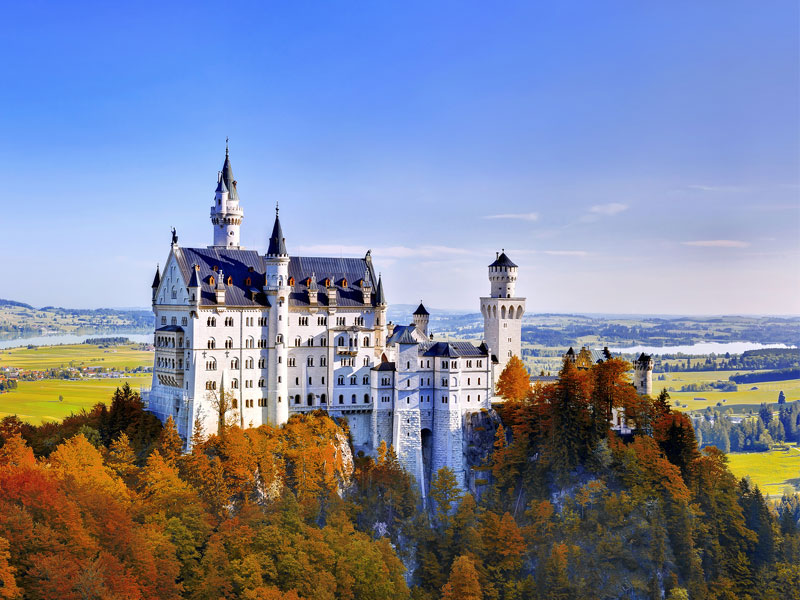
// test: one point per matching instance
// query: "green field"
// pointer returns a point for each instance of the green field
(37, 401)
(125, 356)
(765, 392)
(772, 471)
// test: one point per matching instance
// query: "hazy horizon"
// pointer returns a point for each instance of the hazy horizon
(631, 160)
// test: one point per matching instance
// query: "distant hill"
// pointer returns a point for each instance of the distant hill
(14, 303)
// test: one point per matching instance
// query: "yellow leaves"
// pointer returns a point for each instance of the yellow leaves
(80, 465)
(463, 583)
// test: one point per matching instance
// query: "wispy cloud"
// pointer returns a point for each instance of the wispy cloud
(610, 209)
(566, 252)
(386, 252)
(718, 243)
(717, 188)
(532, 216)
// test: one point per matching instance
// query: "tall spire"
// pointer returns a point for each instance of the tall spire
(277, 243)
(227, 174)
(380, 298)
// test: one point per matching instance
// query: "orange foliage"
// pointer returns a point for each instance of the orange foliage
(514, 382)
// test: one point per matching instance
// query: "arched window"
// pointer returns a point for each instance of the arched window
(235, 384)
(248, 282)
(519, 311)
(503, 312)
(279, 339)
(353, 399)
(291, 281)
(340, 380)
(340, 341)
(366, 342)
(230, 280)
(365, 380)
(310, 361)
(297, 341)
(229, 343)
(211, 281)
(235, 363)
(310, 400)
(323, 361)
(297, 399)
(366, 398)
(328, 284)
(341, 399)
(212, 344)
(323, 399)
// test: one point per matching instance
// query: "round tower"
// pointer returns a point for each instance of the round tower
(226, 214)
(502, 312)
(643, 374)
(421, 318)
(276, 287)
(503, 276)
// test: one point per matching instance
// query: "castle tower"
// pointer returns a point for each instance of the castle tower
(406, 425)
(276, 287)
(643, 374)
(380, 315)
(226, 215)
(502, 312)
(421, 318)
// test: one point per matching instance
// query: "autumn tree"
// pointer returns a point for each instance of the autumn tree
(463, 583)
(445, 494)
(514, 382)
(170, 444)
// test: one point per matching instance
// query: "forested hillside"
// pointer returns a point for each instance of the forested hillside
(104, 505)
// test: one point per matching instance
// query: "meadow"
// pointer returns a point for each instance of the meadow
(38, 401)
(121, 357)
(772, 471)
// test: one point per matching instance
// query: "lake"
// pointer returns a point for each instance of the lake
(55, 340)
(701, 348)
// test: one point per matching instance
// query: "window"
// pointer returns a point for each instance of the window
(323, 342)
(323, 399)
(279, 339)
(297, 341)
(235, 363)
(249, 343)
(229, 343)
(297, 399)
(183, 321)
(366, 342)
(261, 363)
(359, 321)
(248, 363)
(385, 381)
(444, 364)
(303, 321)
(454, 365)
(309, 381)
(211, 385)
(353, 399)
(353, 380)
(310, 400)
(340, 380)
(365, 380)
(261, 382)
(291, 281)
(323, 380)
(174, 293)
(444, 399)
(341, 399)
(479, 380)
(444, 381)
(262, 322)
(292, 361)
(322, 320)
(235, 384)
(297, 381)
(340, 321)
(310, 361)
(340, 341)
(211, 365)
(323, 361)
(468, 380)
(212, 344)
(366, 361)
(235, 403)
(310, 341)
(163, 320)
(228, 321)
(366, 398)
(248, 282)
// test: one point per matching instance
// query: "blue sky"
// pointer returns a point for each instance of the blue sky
(630, 157)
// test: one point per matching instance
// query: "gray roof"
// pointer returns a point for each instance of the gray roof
(277, 243)
(404, 332)
(227, 176)
(421, 310)
(194, 281)
(380, 297)
(171, 328)
(221, 189)
(384, 366)
(241, 265)
(453, 349)
(157, 278)
(502, 261)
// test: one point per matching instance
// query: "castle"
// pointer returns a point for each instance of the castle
(283, 334)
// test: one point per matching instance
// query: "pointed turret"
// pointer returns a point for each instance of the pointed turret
(226, 214)
(277, 243)
(421, 318)
(380, 297)
(156, 282)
